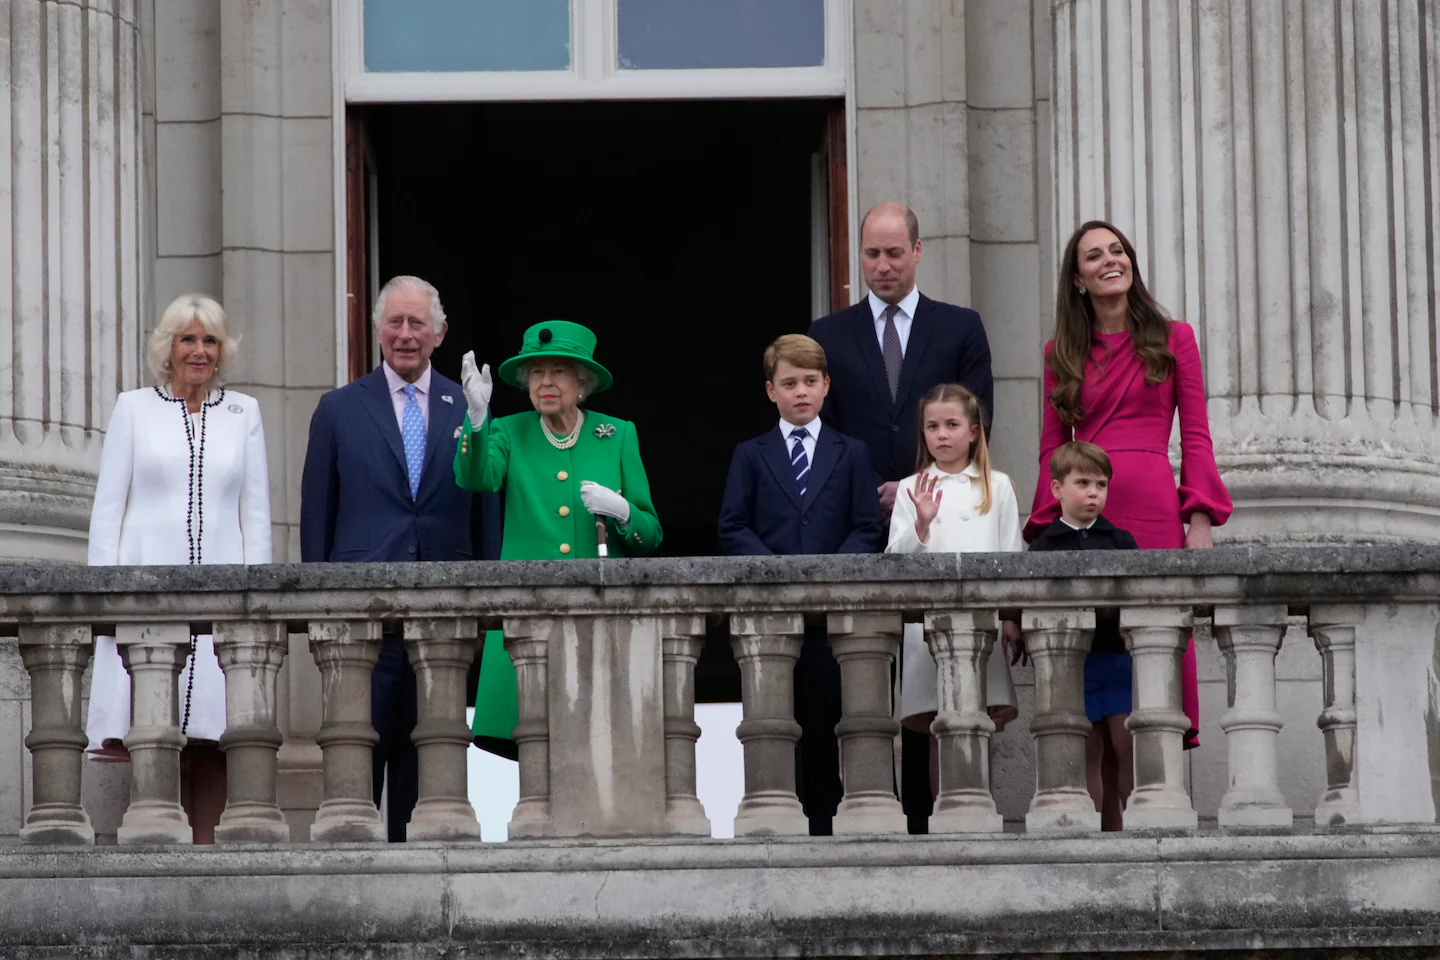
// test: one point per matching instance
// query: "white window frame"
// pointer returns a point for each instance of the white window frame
(594, 73)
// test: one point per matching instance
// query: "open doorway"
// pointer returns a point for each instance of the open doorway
(687, 235)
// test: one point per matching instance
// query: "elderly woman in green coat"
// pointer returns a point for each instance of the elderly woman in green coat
(567, 473)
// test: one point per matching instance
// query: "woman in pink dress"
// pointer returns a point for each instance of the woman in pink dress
(1115, 373)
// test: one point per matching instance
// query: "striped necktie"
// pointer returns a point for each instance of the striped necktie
(798, 461)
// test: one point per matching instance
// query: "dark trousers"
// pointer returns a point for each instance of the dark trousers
(392, 713)
(817, 710)
(915, 796)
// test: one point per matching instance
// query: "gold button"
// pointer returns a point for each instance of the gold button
(564, 511)
(562, 475)
(564, 548)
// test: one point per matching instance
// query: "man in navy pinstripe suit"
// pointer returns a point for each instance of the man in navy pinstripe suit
(379, 486)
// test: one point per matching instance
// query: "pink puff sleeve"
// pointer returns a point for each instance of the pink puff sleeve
(1053, 432)
(1201, 489)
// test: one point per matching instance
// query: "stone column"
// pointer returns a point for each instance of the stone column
(154, 654)
(528, 643)
(767, 648)
(441, 651)
(865, 646)
(346, 651)
(70, 259)
(1275, 165)
(1250, 638)
(1156, 638)
(961, 642)
(250, 653)
(299, 766)
(1059, 641)
(1333, 628)
(682, 640)
(55, 657)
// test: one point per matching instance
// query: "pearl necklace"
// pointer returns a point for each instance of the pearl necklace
(566, 442)
(195, 510)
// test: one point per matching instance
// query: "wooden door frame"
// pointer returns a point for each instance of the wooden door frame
(359, 166)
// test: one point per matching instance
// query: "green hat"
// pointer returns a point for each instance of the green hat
(556, 338)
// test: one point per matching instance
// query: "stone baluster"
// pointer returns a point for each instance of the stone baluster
(1157, 638)
(250, 653)
(960, 641)
(55, 657)
(767, 648)
(346, 651)
(528, 643)
(154, 654)
(1250, 638)
(1333, 628)
(682, 639)
(865, 647)
(441, 651)
(1059, 641)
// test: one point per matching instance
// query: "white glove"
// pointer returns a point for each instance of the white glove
(477, 386)
(604, 502)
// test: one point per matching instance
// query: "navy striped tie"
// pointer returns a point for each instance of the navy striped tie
(798, 461)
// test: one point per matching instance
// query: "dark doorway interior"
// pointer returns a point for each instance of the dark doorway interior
(680, 232)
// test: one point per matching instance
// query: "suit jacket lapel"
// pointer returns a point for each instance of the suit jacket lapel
(777, 458)
(921, 326)
(441, 415)
(827, 454)
(862, 324)
(377, 400)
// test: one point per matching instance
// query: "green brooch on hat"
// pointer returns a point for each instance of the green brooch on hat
(556, 338)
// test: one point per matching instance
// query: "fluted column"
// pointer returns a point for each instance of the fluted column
(70, 259)
(55, 657)
(1250, 638)
(682, 640)
(1157, 638)
(250, 654)
(961, 643)
(1059, 641)
(154, 654)
(346, 651)
(1276, 165)
(865, 647)
(528, 643)
(767, 648)
(441, 651)
(1333, 628)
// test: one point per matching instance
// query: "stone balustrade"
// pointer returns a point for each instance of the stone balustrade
(605, 653)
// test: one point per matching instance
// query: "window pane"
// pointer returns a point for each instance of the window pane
(441, 35)
(697, 34)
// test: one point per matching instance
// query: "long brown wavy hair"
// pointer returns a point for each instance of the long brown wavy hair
(979, 451)
(1147, 322)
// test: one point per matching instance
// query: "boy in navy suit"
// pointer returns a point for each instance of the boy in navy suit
(804, 488)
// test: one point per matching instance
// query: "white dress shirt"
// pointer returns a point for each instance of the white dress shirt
(1073, 527)
(398, 398)
(904, 317)
(812, 428)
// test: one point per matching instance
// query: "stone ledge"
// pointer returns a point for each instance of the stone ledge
(840, 897)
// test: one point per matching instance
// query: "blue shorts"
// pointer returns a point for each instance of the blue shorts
(1107, 685)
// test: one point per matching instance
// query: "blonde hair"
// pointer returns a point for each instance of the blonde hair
(1079, 456)
(182, 310)
(979, 452)
(797, 350)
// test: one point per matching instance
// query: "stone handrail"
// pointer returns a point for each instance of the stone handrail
(605, 654)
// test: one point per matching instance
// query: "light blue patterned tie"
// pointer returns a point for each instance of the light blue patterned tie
(413, 434)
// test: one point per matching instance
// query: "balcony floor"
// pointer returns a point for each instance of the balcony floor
(1372, 893)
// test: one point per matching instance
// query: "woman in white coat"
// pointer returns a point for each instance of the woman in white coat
(183, 480)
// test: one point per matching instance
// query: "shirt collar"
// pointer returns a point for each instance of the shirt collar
(971, 471)
(787, 428)
(907, 306)
(1073, 527)
(397, 382)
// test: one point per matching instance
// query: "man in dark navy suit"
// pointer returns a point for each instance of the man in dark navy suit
(885, 352)
(379, 485)
(804, 487)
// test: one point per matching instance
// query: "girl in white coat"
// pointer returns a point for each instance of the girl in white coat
(954, 503)
(183, 480)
